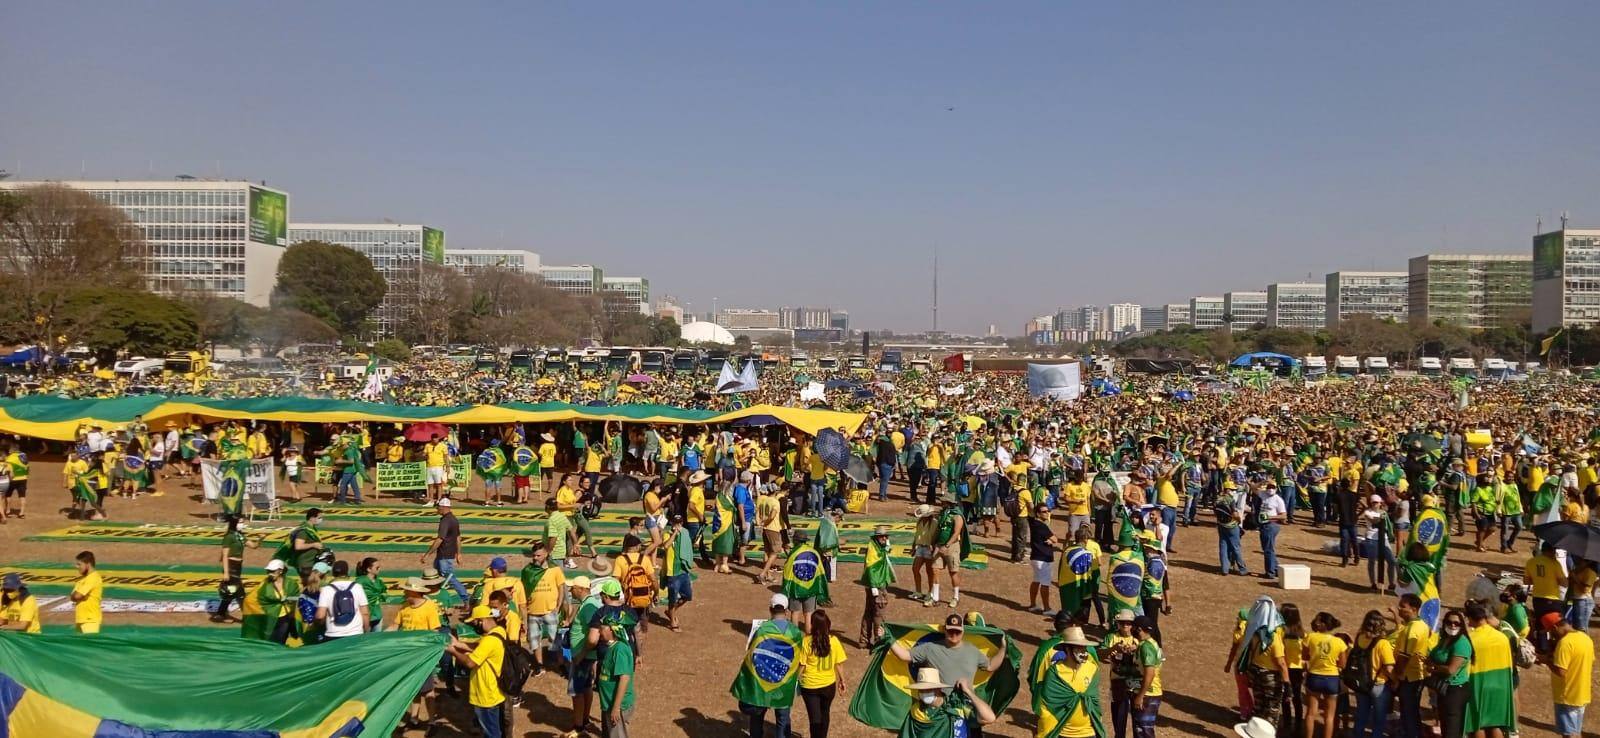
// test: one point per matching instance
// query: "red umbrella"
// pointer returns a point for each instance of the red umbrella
(423, 432)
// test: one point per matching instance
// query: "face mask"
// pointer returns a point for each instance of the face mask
(1080, 656)
(1452, 629)
(927, 699)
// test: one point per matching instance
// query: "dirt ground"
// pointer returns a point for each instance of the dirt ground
(683, 677)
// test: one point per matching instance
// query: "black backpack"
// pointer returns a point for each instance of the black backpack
(1009, 497)
(344, 605)
(515, 668)
(1357, 672)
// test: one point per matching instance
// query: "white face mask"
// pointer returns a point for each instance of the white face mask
(928, 698)
(1080, 656)
(1452, 629)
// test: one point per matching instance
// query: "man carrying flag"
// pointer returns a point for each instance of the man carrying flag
(770, 670)
(265, 613)
(805, 582)
(876, 575)
(1066, 689)
(1127, 573)
(1432, 529)
(1078, 577)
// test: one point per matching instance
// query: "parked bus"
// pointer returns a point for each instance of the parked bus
(1495, 369)
(1430, 366)
(685, 360)
(1314, 366)
(889, 361)
(1346, 366)
(1463, 367)
(1377, 366)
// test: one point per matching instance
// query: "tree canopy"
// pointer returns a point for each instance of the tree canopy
(330, 282)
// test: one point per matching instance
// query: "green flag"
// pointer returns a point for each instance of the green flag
(885, 695)
(209, 683)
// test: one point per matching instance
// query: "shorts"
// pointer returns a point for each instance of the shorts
(1323, 684)
(19, 488)
(436, 475)
(1569, 719)
(543, 627)
(1042, 573)
(1484, 522)
(771, 541)
(519, 482)
(295, 477)
(580, 678)
(680, 589)
(805, 605)
(88, 628)
(922, 553)
(951, 558)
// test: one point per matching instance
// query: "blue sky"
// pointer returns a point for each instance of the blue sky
(803, 153)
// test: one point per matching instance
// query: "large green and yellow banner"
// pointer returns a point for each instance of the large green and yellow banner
(432, 245)
(148, 683)
(269, 217)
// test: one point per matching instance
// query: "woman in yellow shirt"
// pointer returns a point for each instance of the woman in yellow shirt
(821, 676)
(19, 609)
(1372, 707)
(1324, 657)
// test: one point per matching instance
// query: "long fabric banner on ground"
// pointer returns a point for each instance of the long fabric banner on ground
(166, 583)
(853, 527)
(385, 540)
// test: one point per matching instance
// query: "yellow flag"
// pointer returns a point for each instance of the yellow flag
(1544, 346)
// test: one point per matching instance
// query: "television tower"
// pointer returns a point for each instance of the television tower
(935, 290)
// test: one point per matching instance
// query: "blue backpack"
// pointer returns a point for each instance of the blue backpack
(344, 604)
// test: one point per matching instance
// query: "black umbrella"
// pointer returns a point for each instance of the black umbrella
(1576, 539)
(834, 449)
(620, 488)
(859, 470)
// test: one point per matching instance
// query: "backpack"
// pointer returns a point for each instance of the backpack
(343, 611)
(1522, 651)
(638, 585)
(1009, 497)
(1357, 672)
(515, 667)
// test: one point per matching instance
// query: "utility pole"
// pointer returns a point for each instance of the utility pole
(936, 290)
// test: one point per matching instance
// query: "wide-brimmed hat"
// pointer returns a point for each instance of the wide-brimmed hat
(699, 476)
(414, 584)
(547, 436)
(922, 511)
(1073, 636)
(600, 566)
(927, 678)
(431, 577)
(880, 530)
(1255, 728)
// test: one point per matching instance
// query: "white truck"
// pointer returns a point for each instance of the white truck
(1494, 368)
(138, 367)
(1314, 366)
(1377, 366)
(1463, 367)
(1430, 366)
(1346, 366)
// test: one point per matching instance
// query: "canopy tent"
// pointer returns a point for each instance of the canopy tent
(1264, 358)
(58, 419)
(1158, 366)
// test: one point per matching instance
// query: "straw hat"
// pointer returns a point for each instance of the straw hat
(548, 437)
(1073, 636)
(928, 678)
(600, 566)
(698, 477)
(923, 511)
(414, 584)
(1256, 728)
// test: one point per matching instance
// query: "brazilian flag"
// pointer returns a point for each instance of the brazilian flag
(1077, 578)
(1432, 530)
(230, 490)
(263, 607)
(492, 463)
(804, 576)
(771, 666)
(135, 470)
(524, 462)
(722, 530)
(1060, 688)
(1127, 581)
(877, 571)
(1420, 576)
(159, 684)
(885, 696)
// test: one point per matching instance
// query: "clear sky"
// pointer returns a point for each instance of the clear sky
(806, 153)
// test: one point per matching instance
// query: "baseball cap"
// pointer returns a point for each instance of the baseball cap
(579, 582)
(779, 602)
(13, 581)
(1550, 620)
(443, 502)
(955, 622)
(498, 563)
(483, 611)
(322, 567)
(275, 565)
(611, 588)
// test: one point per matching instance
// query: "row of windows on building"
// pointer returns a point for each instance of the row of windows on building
(180, 216)
(171, 198)
(197, 251)
(193, 233)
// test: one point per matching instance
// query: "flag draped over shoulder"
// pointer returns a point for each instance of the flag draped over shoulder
(263, 607)
(1077, 578)
(1419, 576)
(524, 462)
(827, 535)
(877, 571)
(492, 463)
(804, 576)
(1432, 530)
(1127, 582)
(1058, 691)
(771, 666)
(211, 684)
(885, 696)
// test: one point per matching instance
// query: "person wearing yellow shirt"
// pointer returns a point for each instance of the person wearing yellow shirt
(1571, 671)
(1412, 642)
(936, 455)
(436, 458)
(19, 609)
(86, 593)
(256, 443)
(17, 463)
(1076, 494)
(1148, 658)
(593, 459)
(547, 461)
(544, 585)
(1324, 654)
(396, 452)
(486, 660)
(1372, 707)
(1546, 580)
(419, 612)
(495, 579)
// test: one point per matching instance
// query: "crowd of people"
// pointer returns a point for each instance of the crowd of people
(1092, 494)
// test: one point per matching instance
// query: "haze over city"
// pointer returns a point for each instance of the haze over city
(768, 155)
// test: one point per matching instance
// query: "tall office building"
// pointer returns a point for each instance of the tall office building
(805, 318)
(222, 238)
(1470, 290)
(1381, 295)
(1179, 314)
(840, 320)
(1153, 318)
(1302, 305)
(469, 261)
(1245, 308)
(1087, 318)
(579, 279)
(397, 251)
(1205, 313)
(627, 294)
(1124, 317)
(747, 318)
(1566, 279)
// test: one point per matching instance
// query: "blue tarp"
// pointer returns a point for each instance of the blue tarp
(1264, 357)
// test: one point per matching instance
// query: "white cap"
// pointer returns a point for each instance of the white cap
(275, 565)
(443, 502)
(779, 602)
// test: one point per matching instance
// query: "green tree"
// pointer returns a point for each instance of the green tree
(333, 283)
(393, 349)
(108, 320)
(225, 320)
(281, 327)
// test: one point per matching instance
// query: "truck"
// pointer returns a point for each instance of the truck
(188, 364)
(889, 361)
(856, 361)
(653, 361)
(1430, 366)
(521, 362)
(1314, 366)
(555, 361)
(1377, 366)
(715, 360)
(1494, 368)
(1346, 366)
(827, 363)
(1463, 367)
(799, 360)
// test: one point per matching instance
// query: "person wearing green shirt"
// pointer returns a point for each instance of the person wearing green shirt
(615, 684)
(234, 543)
(377, 591)
(1447, 662)
(558, 533)
(1510, 515)
(1485, 508)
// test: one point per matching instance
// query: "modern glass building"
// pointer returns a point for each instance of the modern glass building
(397, 251)
(468, 261)
(215, 237)
(1124, 317)
(1301, 305)
(1245, 309)
(1205, 313)
(1566, 279)
(579, 279)
(634, 291)
(1470, 290)
(1381, 295)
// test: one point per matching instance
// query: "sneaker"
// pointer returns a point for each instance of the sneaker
(954, 600)
(1049, 613)
(571, 564)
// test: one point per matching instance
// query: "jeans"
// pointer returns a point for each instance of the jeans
(1349, 546)
(758, 715)
(1319, 505)
(814, 497)
(1191, 504)
(1381, 564)
(1229, 553)
(1582, 610)
(885, 471)
(447, 569)
(1410, 694)
(1372, 711)
(347, 481)
(1291, 497)
(931, 476)
(1510, 528)
(694, 537)
(488, 719)
(819, 703)
(1121, 707)
(1144, 723)
(1169, 518)
(1269, 548)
